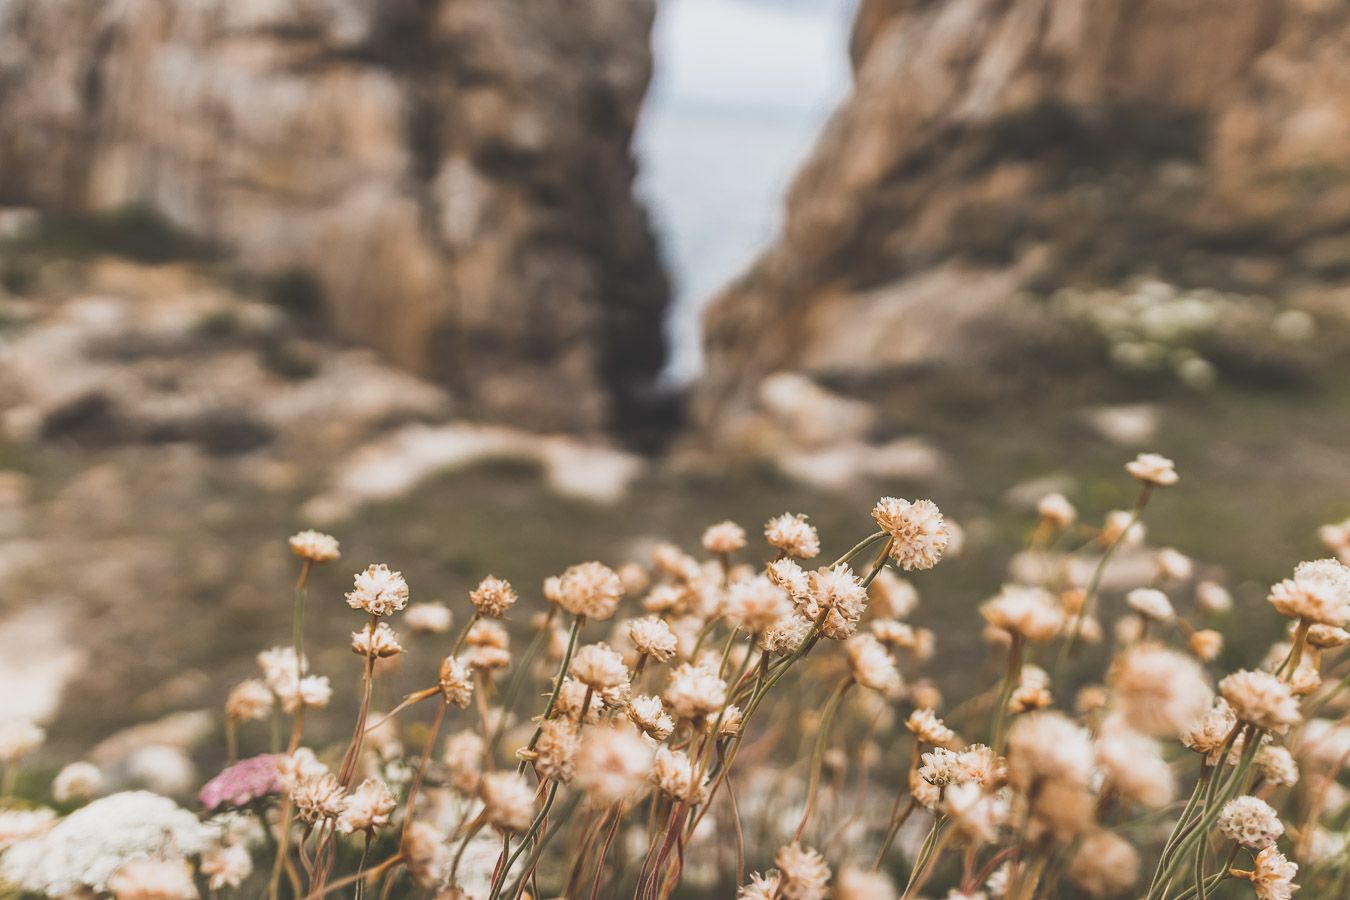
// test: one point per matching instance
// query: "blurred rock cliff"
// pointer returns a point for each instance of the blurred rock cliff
(454, 174)
(996, 147)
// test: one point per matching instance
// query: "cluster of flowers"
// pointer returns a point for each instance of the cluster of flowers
(1152, 326)
(657, 746)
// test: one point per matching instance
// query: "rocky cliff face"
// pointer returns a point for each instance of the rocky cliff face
(455, 173)
(994, 146)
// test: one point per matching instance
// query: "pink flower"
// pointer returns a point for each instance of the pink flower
(242, 783)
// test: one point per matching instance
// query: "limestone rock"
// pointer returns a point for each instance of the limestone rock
(455, 173)
(995, 146)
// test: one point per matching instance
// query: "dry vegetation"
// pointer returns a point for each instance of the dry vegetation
(691, 727)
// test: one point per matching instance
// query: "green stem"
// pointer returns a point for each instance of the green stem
(577, 623)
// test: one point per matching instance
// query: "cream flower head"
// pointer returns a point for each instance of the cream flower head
(1151, 604)
(651, 636)
(315, 546)
(918, 534)
(1319, 593)
(792, 535)
(378, 591)
(1153, 469)
(1261, 699)
(1056, 510)
(589, 589)
(380, 642)
(493, 597)
(1250, 821)
(724, 537)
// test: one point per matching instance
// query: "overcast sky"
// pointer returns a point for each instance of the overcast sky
(740, 92)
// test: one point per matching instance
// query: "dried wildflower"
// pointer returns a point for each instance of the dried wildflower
(788, 575)
(674, 563)
(250, 699)
(1276, 765)
(1028, 612)
(1208, 733)
(756, 605)
(508, 801)
(311, 692)
(19, 738)
(294, 769)
(732, 717)
(634, 578)
(463, 756)
(613, 763)
(724, 537)
(77, 781)
(896, 635)
(838, 590)
(1273, 876)
(456, 682)
(929, 729)
(1153, 469)
(1056, 510)
(589, 589)
(1327, 637)
(981, 765)
(1061, 810)
(81, 852)
(380, 642)
(1030, 694)
(598, 667)
(378, 591)
(1319, 592)
(153, 879)
(1104, 865)
(650, 715)
(1151, 604)
(570, 698)
(428, 618)
(426, 853)
(925, 794)
(1048, 745)
(803, 872)
(1173, 565)
(651, 636)
(673, 773)
(227, 866)
(555, 752)
(785, 635)
(279, 666)
(863, 884)
(872, 666)
(366, 808)
(792, 536)
(918, 535)
(1206, 644)
(1250, 821)
(1135, 768)
(1159, 691)
(977, 815)
(760, 887)
(245, 781)
(941, 767)
(1213, 598)
(315, 546)
(695, 691)
(493, 597)
(319, 798)
(893, 596)
(1260, 699)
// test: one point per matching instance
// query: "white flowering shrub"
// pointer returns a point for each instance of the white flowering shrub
(763, 723)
